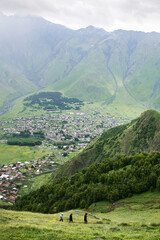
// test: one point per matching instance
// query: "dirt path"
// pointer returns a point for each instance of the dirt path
(126, 204)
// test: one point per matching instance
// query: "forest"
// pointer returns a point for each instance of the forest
(107, 180)
(52, 101)
(26, 139)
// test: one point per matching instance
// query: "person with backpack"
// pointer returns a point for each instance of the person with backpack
(61, 217)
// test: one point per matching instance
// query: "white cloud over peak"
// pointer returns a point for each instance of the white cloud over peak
(111, 15)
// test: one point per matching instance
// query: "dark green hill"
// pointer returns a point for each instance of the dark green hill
(141, 134)
(108, 180)
(113, 167)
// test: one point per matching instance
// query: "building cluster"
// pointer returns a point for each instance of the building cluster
(78, 128)
(64, 133)
(14, 176)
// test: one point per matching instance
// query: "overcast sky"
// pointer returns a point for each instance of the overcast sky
(143, 15)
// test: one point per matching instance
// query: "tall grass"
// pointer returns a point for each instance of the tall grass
(122, 223)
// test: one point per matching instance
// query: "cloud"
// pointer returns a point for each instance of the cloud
(111, 15)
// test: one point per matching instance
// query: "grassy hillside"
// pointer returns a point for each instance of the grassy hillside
(119, 68)
(141, 134)
(88, 80)
(124, 110)
(34, 183)
(13, 84)
(134, 218)
(108, 180)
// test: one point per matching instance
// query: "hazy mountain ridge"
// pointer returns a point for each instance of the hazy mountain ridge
(121, 67)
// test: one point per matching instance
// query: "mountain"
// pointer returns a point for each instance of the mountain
(113, 167)
(119, 68)
(140, 135)
(26, 48)
(108, 180)
(123, 161)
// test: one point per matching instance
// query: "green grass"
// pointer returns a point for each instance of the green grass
(11, 154)
(36, 182)
(4, 204)
(40, 180)
(120, 223)
(138, 202)
(117, 109)
(18, 109)
(71, 155)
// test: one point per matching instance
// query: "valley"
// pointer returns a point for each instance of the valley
(79, 132)
(66, 133)
(92, 65)
(69, 135)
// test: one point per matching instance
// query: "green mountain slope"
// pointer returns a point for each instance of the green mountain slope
(120, 68)
(108, 180)
(26, 48)
(142, 134)
(111, 168)
(13, 84)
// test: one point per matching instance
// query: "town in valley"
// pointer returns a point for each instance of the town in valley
(65, 132)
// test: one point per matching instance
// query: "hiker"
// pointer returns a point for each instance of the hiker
(61, 217)
(70, 218)
(85, 218)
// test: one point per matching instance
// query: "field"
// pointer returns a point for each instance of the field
(11, 154)
(133, 218)
(116, 109)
